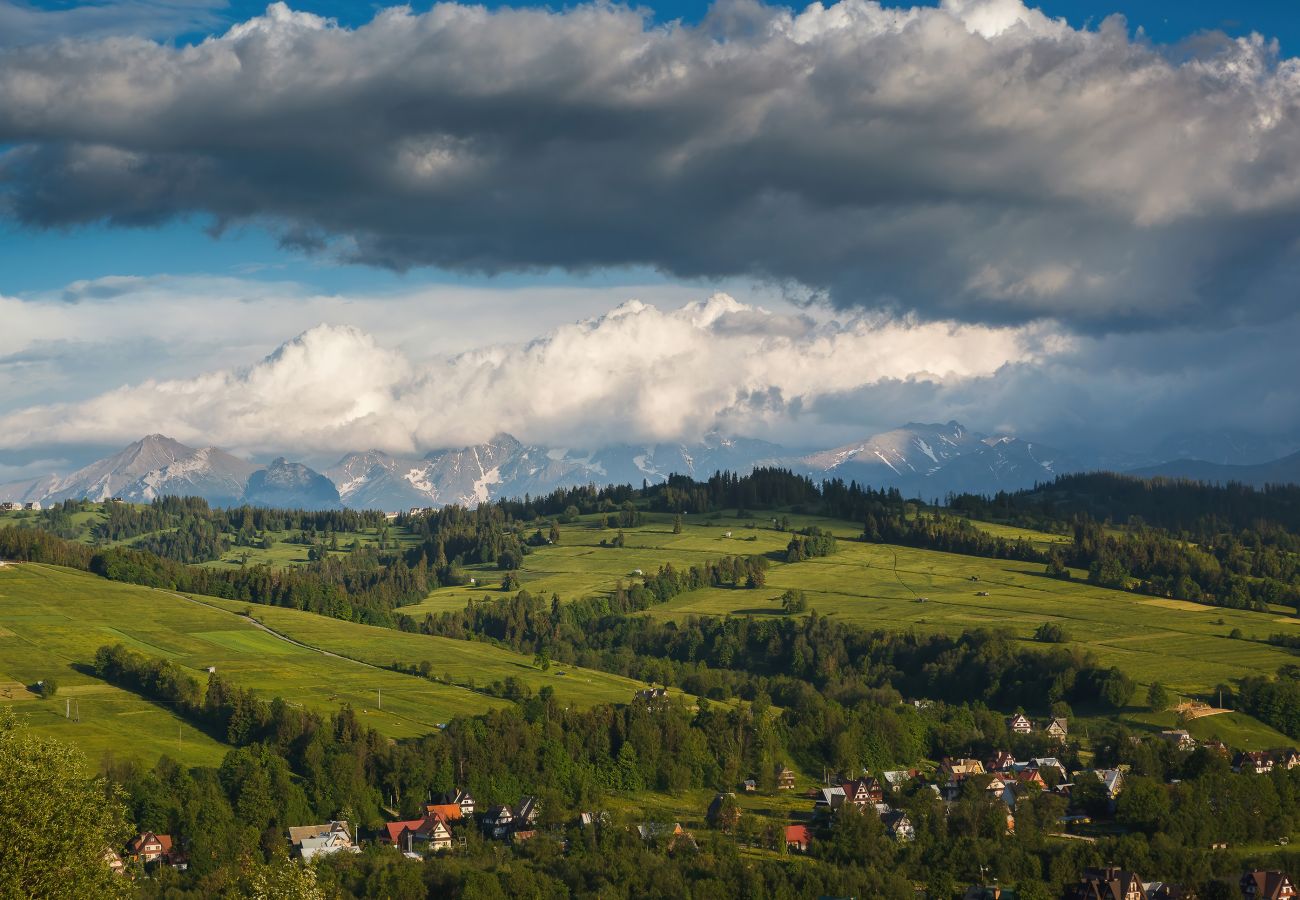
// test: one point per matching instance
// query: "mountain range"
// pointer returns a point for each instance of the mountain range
(927, 460)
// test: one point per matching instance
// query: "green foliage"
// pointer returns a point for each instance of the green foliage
(1158, 696)
(1051, 633)
(58, 821)
(47, 687)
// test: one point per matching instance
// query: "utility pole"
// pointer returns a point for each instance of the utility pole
(381, 698)
(67, 708)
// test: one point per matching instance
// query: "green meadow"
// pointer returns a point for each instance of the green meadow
(1184, 645)
(53, 620)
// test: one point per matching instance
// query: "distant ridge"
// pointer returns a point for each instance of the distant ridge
(1279, 471)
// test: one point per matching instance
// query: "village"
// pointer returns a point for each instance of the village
(444, 824)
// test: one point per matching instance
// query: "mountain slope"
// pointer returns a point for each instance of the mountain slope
(1280, 471)
(286, 484)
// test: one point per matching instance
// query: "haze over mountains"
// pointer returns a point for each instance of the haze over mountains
(927, 460)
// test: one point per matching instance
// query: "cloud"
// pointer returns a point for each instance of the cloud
(978, 161)
(635, 373)
(24, 23)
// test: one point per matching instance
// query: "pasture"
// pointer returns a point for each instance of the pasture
(55, 619)
(1185, 645)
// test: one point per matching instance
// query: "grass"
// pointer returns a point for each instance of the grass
(464, 662)
(1184, 645)
(57, 618)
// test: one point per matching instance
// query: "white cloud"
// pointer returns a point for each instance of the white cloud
(634, 373)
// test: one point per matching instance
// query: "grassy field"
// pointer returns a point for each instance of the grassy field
(1185, 645)
(52, 620)
(461, 662)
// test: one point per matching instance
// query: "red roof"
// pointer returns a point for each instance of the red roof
(451, 812)
(395, 829)
(798, 834)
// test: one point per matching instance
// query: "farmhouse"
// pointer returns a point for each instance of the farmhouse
(962, 766)
(499, 821)
(1058, 728)
(1110, 883)
(452, 812)
(784, 778)
(150, 849)
(1180, 738)
(432, 831)
(8, 506)
(310, 841)
(34, 506)
(1000, 762)
(829, 799)
(798, 838)
(651, 697)
(1261, 885)
(1020, 724)
(863, 792)
(1254, 761)
(898, 825)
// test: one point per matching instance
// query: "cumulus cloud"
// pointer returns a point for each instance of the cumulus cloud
(25, 23)
(635, 373)
(977, 160)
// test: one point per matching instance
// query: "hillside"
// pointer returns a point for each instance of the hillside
(52, 621)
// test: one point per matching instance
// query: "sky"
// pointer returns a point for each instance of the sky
(323, 226)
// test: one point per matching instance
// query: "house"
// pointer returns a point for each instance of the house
(8, 506)
(34, 506)
(1112, 780)
(1180, 738)
(316, 840)
(651, 697)
(1110, 883)
(1049, 762)
(1287, 759)
(499, 821)
(1020, 724)
(452, 812)
(433, 831)
(1031, 778)
(526, 812)
(518, 837)
(1256, 761)
(863, 792)
(896, 778)
(1261, 885)
(1000, 761)
(1058, 729)
(749, 785)
(784, 778)
(798, 838)
(462, 798)
(150, 848)
(829, 799)
(962, 766)
(723, 812)
(1218, 747)
(898, 825)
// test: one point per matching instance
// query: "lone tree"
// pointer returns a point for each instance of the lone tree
(1157, 696)
(59, 821)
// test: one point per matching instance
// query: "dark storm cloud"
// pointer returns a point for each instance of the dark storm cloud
(978, 161)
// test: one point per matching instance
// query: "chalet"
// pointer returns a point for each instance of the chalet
(499, 821)
(723, 812)
(1110, 883)
(462, 798)
(829, 799)
(1287, 759)
(8, 506)
(651, 697)
(310, 841)
(1058, 729)
(897, 778)
(150, 849)
(432, 831)
(962, 766)
(749, 785)
(526, 812)
(898, 825)
(798, 838)
(1261, 885)
(1179, 738)
(1020, 724)
(34, 506)
(452, 812)
(997, 786)
(1048, 762)
(784, 778)
(1254, 761)
(1112, 780)
(863, 792)
(1000, 762)
(1031, 778)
